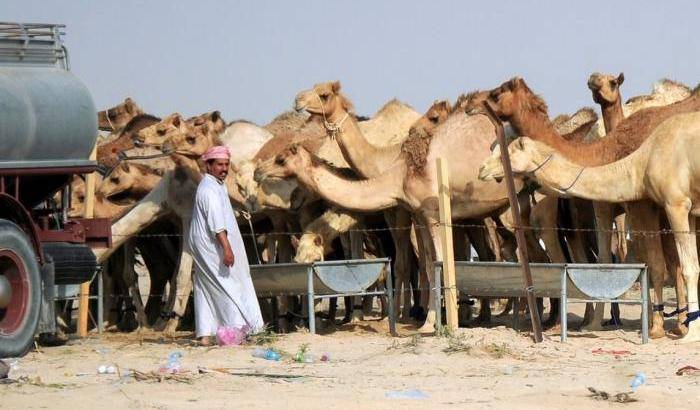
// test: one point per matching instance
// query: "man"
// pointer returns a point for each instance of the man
(223, 290)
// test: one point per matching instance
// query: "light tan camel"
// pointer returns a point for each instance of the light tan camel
(459, 137)
(115, 118)
(606, 92)
(129, 182)
(527, 113)
(665, 169)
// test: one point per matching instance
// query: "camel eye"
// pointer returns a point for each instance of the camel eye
(279, 161)
(324, 97)
(161, 131)
(190, 139)
(114, 180)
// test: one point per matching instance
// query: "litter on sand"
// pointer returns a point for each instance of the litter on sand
(689, 370)
(625, 397)
(406, 394)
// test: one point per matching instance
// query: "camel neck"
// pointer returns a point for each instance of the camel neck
(369, 195)
(620, 181)
(537, 126)
(365, 158)
(612, 115)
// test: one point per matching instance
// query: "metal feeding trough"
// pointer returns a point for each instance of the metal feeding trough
(326, 279)
(571, 283)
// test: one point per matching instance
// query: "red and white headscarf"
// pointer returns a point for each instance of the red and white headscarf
(217, 152)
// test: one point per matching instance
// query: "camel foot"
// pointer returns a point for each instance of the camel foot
(552, 327)
(551, 323)
(678, 330)
(282, 325)
(427, 328)
(657, 332)
(357, 316)
(171, 327)
(693, 334)
(616, 322)
(128, 322)
(592, 327)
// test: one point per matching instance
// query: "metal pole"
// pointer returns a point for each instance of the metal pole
(310, 301)
(390, 299)
(100, 301)
(519, 234)
(437, 268)
(645, 306)
(562, 303)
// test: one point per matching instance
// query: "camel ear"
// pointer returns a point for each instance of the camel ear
(176, 120)
(335, 86)
(520, 143)
(318, 240)
(215, 116)
(295, 242)
(293, 149)
(620, 79)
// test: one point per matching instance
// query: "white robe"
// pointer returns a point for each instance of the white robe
(223, 296)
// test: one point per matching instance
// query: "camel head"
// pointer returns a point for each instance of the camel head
(526, 156)
(286, 164)
(324, 100)
(209, 123)
(436, 115)
(124, 184)
(115, 118)
(310, 248)
(471, 103)
(513, 98)
(605, 88)
(157, 134)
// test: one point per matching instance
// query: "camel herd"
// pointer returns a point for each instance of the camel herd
(321, 182)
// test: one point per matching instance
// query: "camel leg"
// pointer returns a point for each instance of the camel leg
(686, 242)
(421, 288)
(643, 215)
(399, 218)
(479, 239)
(133, 284)
(603, 223)
(433, 252)
(180, 292)
(621, 236)
(673, 267)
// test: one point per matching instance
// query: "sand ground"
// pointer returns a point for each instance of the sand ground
(493, 367)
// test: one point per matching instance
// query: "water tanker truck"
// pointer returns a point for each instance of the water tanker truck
(48, 128)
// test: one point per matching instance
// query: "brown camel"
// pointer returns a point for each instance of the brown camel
(665, 169)
(527, 113)
(115, 118)
(107, 152)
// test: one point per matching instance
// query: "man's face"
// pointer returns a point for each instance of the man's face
(218, 168)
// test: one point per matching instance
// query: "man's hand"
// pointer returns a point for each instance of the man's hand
(228, 257)
(226, 246)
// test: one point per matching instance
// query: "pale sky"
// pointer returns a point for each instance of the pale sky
(249, 59)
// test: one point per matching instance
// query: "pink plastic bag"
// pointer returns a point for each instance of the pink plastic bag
(227, 336)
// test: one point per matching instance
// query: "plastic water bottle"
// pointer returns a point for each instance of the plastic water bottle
(174, 362)
(639, 379)
(267, 354)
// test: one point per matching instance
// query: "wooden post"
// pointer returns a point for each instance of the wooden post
(89, 212)
(519, 234)
(448, 258)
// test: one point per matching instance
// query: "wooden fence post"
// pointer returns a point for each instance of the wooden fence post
(448, 258)
(84, 301)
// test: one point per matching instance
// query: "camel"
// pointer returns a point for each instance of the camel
(606, 92)
(665, 169)
(115, 118)
(460, 136)
(664, 92)
(107, 152)
(513, 101)
(129, 182)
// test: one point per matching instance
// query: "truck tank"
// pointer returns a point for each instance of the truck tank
(48, 120)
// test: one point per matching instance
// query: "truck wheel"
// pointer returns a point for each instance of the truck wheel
(20, 291)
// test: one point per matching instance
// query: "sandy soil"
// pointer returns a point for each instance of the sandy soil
(480, 367)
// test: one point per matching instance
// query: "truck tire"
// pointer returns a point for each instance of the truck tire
(18, 268)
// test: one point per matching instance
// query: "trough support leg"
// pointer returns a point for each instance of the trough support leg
(437, 268)
(645, 304)
(100, 301)
(310, 300)
(563, 309)
(390, 300)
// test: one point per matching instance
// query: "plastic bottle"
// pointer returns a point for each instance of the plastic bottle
(639, 379)
(267, 354)
(174, 362)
